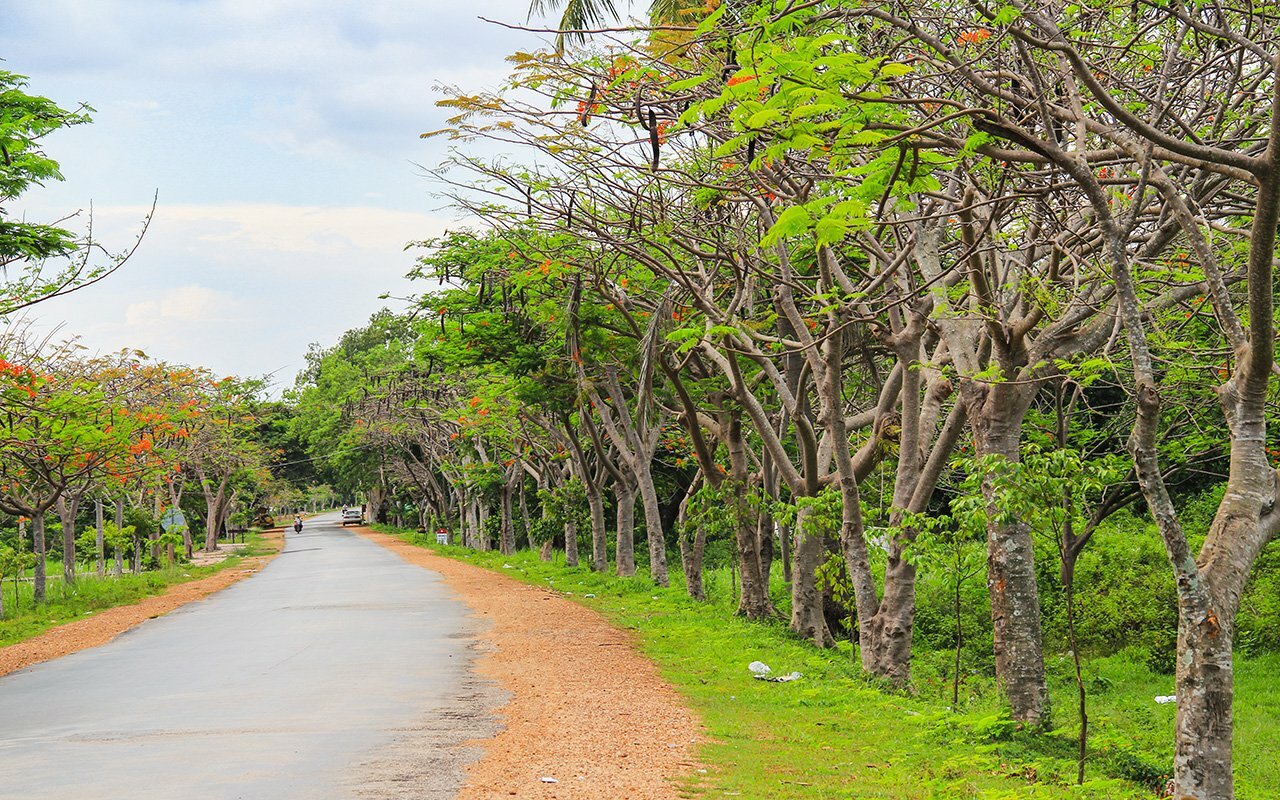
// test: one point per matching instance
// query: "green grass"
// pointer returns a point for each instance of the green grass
(835, 734)
(92, 594)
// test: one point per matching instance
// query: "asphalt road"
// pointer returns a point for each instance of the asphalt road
(339, 671)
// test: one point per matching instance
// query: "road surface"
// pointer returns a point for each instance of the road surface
(339, 671)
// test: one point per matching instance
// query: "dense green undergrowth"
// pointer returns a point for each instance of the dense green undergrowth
(836, 734)
(90, 594)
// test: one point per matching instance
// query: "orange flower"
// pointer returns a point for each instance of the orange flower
(737, 79)
(976, 36)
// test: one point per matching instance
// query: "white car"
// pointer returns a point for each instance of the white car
(352, 516)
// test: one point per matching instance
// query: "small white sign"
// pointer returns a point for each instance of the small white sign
(172, 520)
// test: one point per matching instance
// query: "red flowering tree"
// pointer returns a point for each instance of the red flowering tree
(58, 430)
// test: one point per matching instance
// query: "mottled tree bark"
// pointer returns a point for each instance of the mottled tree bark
(119, 526)
(624, 531)
(599, 531)
(67, 509)
(692, 548)
(654, 536)
(807, 620)
(38, 548)
(99, 538)
(570, 543)
(507, 539)
(754, 602)
(1011, 575)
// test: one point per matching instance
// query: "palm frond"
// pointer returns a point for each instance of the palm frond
(578, 16)
(666, 12)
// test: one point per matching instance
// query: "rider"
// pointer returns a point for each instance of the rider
(297, 523)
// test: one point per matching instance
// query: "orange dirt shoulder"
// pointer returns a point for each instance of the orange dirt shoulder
(586, 708)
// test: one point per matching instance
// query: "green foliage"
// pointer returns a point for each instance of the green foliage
(24, 121)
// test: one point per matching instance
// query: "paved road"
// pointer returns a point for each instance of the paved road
(333, 673)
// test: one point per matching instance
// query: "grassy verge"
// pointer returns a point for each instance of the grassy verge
(91, 594)
(836, 734)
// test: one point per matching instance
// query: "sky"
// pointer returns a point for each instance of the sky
(281, 140)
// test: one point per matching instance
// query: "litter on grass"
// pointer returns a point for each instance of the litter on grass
(1166, 698)
(761, 672)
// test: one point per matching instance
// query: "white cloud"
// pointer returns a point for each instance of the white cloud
(226, 232)
(243, 288)
(282, 136)
(183, 304)
(322, 78)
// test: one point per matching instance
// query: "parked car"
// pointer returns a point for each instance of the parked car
(352, 516)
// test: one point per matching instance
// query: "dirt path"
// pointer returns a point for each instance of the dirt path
(586, 708)
(109, 623)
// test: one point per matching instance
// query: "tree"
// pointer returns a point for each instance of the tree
(40, 261)
(58, 431)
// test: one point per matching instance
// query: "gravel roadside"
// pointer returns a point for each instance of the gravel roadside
(586, 709)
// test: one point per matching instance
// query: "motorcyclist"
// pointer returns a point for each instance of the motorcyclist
(297, 523)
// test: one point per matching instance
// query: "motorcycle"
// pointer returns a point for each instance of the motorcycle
(297, 526)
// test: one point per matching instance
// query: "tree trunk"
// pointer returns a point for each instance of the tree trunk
(67, 508)
(766, 526)
(599, 533)
(784, 547)
(754, 601)
(1203, 727)
(155, 534)
(885, 640)
(653, 527)
(39, 550)
(1011, 575)
(378, 504)
(507, 541)
(692, 548)
(99, 538)
(624, 546)
(214, 501)
(807, 620)
(524, 513)
(469, 516)
(119, 527)
(571, 543)
(212, 520)
(482, 526)
(473, 536)
(548, 545)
